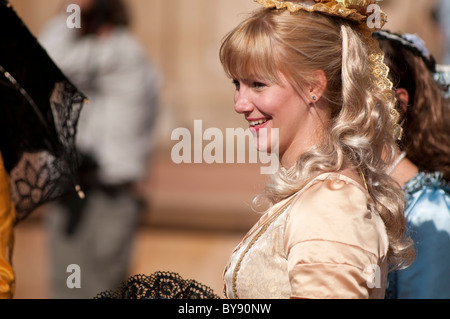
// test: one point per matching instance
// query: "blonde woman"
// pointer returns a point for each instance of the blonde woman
(310, 70)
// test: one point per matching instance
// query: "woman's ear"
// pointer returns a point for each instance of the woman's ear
(403, 99)
(317, 89)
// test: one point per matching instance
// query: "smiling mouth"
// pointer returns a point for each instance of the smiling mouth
(257, 122)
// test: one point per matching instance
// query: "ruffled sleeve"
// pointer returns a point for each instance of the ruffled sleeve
(7, 217)
(335, 244)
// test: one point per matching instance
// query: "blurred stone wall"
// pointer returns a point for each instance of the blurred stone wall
(417, 16)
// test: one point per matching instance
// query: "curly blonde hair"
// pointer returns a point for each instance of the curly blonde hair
(361, 131)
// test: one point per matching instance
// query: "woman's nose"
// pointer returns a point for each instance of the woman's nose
(242, 102)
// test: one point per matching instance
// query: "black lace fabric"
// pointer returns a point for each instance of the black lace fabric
(160, 285)
(39, 111)
(44, 175)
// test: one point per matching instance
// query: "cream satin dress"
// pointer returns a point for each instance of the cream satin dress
(323, 242)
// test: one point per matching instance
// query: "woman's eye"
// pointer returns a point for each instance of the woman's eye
(258, 85)
(236, 84)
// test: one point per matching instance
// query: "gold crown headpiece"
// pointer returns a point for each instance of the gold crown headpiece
(358, 11)
(355, 10)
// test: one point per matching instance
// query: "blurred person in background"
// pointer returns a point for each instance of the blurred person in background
(422, 167)
(115, 140)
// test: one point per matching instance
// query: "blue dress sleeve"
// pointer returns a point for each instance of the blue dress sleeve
(428, 217)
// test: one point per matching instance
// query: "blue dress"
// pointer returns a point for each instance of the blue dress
(428, 217)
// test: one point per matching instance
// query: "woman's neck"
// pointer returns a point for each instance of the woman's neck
(404, 171)
(347, 170)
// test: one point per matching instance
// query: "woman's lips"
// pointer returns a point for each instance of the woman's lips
(257, 124)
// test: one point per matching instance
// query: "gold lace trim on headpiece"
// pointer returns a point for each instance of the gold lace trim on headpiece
(359, 12)
(356, 10)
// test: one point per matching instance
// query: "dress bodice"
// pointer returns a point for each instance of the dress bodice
(325, 241)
